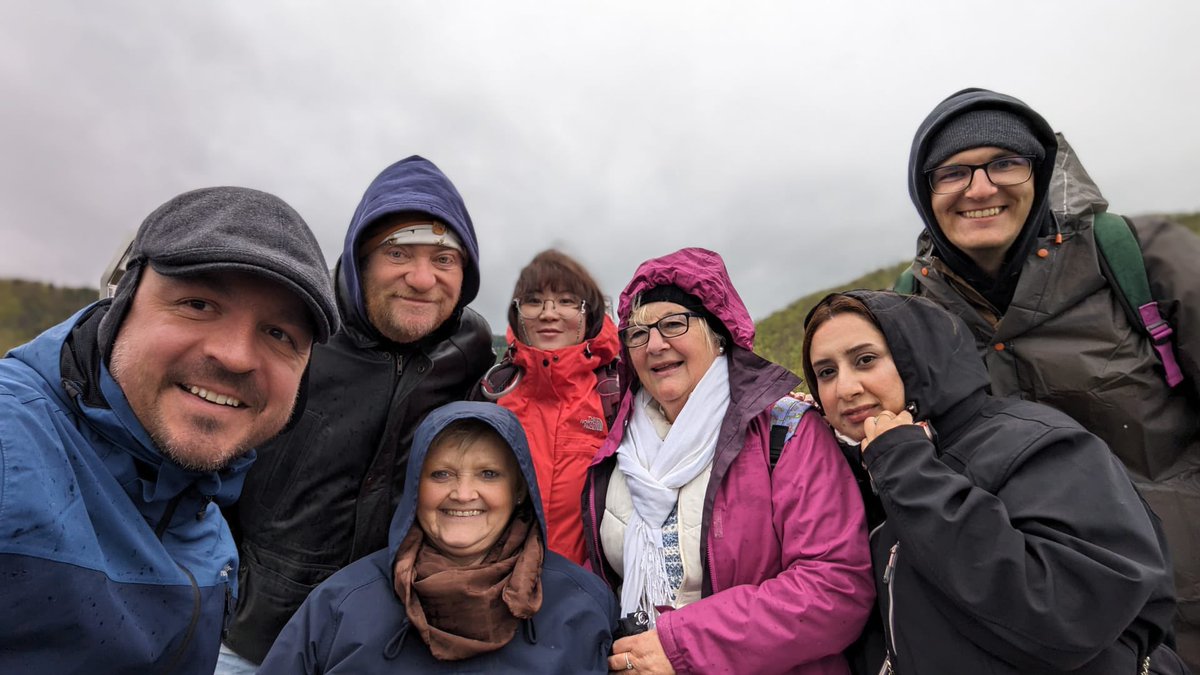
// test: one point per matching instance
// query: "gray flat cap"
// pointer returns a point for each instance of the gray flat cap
(232, 228)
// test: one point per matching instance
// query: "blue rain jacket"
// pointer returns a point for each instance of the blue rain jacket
(113, 559)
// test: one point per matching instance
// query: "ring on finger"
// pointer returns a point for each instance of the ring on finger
(628, 663)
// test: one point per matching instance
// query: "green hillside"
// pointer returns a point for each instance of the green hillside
(781, 334)
(29, 307)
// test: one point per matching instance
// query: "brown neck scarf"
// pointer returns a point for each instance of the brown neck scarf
(462, 611)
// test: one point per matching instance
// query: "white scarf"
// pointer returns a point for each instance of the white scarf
(655, 469)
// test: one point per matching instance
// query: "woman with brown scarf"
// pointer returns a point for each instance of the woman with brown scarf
(467, 575)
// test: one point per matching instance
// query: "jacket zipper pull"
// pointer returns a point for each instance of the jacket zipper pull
(204, 502)
(891, 564)
(227, 618)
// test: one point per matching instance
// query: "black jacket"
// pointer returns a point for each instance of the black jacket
(321, 495)
(1014, 540)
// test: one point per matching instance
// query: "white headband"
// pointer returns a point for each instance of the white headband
(435, 234)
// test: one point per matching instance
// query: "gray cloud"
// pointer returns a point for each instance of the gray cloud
(775, 134)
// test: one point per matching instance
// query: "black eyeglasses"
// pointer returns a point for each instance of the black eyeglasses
(670, 326)
(1004, 171)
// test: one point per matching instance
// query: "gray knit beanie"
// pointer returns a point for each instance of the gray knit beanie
(229, 228)
(982, 128)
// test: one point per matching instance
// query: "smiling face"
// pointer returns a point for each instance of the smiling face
(467, 495)
(984, 220)
(856, 377)
(670, 368)
(409, 289)
(558, 322)
(211, 364)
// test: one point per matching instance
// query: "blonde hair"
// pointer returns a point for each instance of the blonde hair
(716, 342)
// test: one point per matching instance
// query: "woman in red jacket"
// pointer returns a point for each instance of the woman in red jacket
(557, 376)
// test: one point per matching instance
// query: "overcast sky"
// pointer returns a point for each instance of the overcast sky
(774, 133)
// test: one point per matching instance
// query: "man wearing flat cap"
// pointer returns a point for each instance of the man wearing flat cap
(125, 427)
(1011, 245)
(322, 495)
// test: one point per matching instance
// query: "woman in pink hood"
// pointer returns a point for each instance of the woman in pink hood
(733, 565)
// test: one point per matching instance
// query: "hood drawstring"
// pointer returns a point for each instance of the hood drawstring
(530, 633)
(396, 644)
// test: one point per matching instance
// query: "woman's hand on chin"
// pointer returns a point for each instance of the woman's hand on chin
(644, 652)
(875, 426)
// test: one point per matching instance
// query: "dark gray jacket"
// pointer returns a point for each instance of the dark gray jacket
(1014, 540)
(1065, 341)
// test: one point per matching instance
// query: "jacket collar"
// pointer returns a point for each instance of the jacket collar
(69, 355)
(587, 355)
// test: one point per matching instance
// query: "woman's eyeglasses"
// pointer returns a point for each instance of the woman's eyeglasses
(568, 307)
(670, 326)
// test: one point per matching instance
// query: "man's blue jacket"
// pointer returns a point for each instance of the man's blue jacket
(113, 559)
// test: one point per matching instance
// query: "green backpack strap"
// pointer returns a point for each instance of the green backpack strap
(1124, 257)
(906, 283)
(1123, 264)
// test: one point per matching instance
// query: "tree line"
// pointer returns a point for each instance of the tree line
(28, 307)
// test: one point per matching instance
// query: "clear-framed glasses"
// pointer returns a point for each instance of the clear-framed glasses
(1003, 171)
(670, 326)
(567, 306)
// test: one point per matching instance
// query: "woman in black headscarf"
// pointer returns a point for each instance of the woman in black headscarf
(1014, 542)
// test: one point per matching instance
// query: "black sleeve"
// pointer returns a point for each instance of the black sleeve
(1046, 567)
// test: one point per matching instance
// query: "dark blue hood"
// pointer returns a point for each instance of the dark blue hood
(502, 420)
(412, 185)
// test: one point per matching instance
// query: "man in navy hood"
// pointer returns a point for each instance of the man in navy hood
(322, 495)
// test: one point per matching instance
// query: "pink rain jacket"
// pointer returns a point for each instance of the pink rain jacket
(787, 573)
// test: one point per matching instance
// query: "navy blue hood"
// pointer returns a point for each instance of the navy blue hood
(412, 185)
(999, 290)
(502, 420)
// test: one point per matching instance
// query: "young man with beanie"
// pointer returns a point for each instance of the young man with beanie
(1009, 246)
(322, 495)
(125, 427)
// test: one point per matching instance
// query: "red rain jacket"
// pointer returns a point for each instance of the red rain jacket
(557, 404)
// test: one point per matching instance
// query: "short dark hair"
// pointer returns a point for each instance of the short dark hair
(829, 307)
(557, 270)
